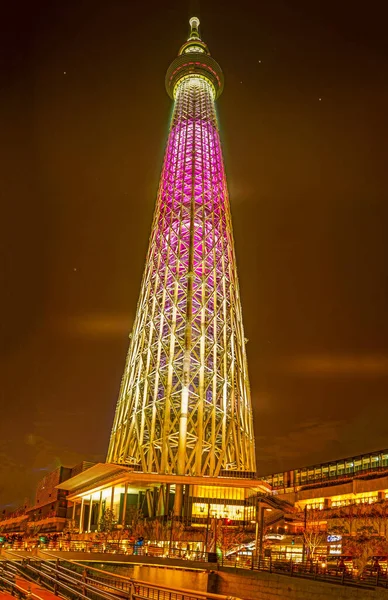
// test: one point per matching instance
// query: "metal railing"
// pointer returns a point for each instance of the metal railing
(9, 572)
(73, 581)
(319, 570)
(110, 547)
(9, 585)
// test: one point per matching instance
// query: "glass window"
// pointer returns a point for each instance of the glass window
(194, 49)
(365, 462)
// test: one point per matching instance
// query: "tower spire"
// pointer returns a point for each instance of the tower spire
(194, 33)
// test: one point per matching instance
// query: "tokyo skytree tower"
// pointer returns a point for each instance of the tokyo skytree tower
(184, 406)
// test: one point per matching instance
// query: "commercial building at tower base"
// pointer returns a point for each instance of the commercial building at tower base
(120, 489)
(334, 508)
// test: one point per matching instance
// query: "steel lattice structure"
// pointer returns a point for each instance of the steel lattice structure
(184, 404)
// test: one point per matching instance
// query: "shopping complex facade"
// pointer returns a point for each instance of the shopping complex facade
(334, 501)
(331, 499)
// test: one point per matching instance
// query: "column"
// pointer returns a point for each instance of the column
(167, 498)
(124, 505)
(178, 500)
(81, 517)
(90, 512)
(99, 511)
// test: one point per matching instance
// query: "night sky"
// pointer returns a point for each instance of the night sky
(83, 120)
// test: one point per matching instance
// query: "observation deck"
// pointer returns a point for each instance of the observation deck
(194, 60)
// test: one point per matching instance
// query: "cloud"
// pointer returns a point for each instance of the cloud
(284, 451)
(333, 365)
(14, 479)
(18, 480)
(96, 325)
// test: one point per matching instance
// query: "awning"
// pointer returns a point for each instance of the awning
(92, 476)
(103, 475)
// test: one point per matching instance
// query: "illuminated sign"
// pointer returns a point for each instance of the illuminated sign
(334, 538)
(274, 536)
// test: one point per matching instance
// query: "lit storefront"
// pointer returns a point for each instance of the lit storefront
(121, 490)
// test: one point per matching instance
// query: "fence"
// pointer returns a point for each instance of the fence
(65, 579)
(320, 570)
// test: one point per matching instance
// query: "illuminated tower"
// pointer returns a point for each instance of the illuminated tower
(184, 406)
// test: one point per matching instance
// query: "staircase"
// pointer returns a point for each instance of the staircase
(37, 579)
(274, 518)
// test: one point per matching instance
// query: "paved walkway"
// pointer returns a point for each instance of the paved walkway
(36, 589)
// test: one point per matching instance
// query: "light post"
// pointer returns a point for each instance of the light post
(171, 532)
(215, 525)
(207, 526)
(260, 529)
(304, 534)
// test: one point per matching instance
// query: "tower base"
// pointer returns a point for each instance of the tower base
(192, 500)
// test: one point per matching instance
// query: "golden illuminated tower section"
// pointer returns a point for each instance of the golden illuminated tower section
(184, 406)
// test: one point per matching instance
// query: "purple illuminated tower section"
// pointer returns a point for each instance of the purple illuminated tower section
(184, 406)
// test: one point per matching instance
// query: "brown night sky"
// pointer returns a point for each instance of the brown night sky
(83, 121)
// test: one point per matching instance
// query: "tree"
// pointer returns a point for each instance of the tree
(313, 535)
(349, 515)
(225, 538)
(363, 546)
(24, 525)
(381, 516)
(107, 524)
(71, 527)
(355, 517)
(164, 529)
(134, 521)
(337, 529)
(231, 539)
(157, 530)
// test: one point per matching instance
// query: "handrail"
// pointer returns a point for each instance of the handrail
(193, 594)
(294, 568)
(56, 582)
(15, 586)
(76, 563)
(308, 569)
(74, 574)
(199, 594)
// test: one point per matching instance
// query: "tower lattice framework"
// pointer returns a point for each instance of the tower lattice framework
(184, 405)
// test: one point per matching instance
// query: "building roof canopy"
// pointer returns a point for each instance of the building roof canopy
(103, 474)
